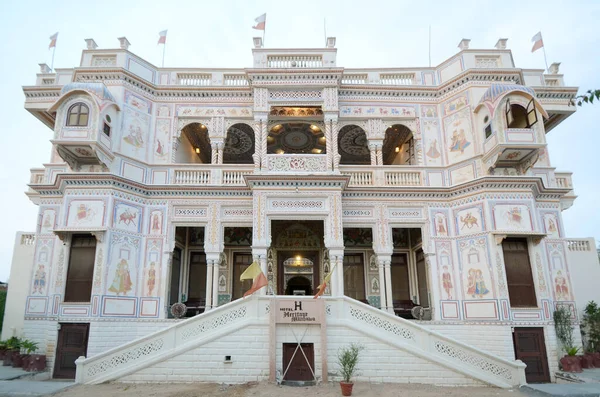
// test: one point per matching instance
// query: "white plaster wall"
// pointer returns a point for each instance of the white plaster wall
(45, 334)
(585, 273)
(105, 335)
(185, 152)
(18, 286)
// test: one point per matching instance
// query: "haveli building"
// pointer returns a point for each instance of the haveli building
(427, 192)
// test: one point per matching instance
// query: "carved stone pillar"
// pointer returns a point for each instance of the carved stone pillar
(220, 146)
(258, 139)
(379, 153)
(259, 254)
(330, 143)
(214, 154)
(336, 256)
(382, 286)
(387, 260)
(373, 153)
(209, 283)
(334, 144)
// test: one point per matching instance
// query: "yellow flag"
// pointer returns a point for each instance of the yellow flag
(251, 272)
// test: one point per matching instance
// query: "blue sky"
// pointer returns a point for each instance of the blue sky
(369, 34)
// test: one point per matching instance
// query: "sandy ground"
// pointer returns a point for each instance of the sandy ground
(271, 390)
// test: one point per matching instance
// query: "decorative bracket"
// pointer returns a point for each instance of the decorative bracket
(99, 234)
(499, 238)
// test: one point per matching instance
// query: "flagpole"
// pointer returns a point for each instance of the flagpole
(164, 49)
(429, 45)
(52, 63)
(545, 59)
(325, 30)
(264, 30)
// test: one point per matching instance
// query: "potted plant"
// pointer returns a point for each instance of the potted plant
(564, 333)
(35, 362)
(591, 331)
(2, 349)
(13, 346)
(27, 348)
(347, 360)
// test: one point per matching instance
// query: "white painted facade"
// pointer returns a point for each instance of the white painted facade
(354, 161)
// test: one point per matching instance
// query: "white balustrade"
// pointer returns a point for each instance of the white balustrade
(579, 245)
(403, 178)
(355, 79)
(192, 177)
(360, 178)
(201, 79)
(235, 178)
(235, 80)
(27, 238)
(294, 61)
(397, 79)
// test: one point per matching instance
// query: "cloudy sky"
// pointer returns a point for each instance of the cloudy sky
(369, 34)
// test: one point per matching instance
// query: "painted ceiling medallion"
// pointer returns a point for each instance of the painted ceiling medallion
(239, 140)
(353, 141)
(296, 138)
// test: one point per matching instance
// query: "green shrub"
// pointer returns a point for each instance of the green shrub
(347, 360)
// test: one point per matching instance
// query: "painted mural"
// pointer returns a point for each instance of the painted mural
(162, 141)
(156, 222)
(559, 273)
(121, 271)
(456, 103)
(469, 220)
(42, 265)
(432, 147)
(135, 132)
(476, 275)
(381, 111)
(85, 213)
(191, 111)
(163, 110)
(440, 223)
(551, 226)
(358, 237)
(127, 217)
(512, 217)
(137, 102)
(428, 111)
(458, 136)
(48, 221)
(152, 268)
(443, 251)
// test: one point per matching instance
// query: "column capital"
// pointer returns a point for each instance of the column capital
(375, 129)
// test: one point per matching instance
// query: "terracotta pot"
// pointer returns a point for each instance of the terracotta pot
(571, 364)
(17, 359)
(2, 353)
(346, 388)
(8, 356)
(587, 361)
(596, 357)
(25, 361)
(37, 362)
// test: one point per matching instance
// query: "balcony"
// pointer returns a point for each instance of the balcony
(512, 147)
(385, 176)
(564, 180)
(210, 174)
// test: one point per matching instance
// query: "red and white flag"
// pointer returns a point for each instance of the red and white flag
(53, 40)
(537, 42)
(162, 37)
(260, 22)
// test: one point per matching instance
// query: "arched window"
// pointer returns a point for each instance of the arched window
(519, 117)
(78, 115)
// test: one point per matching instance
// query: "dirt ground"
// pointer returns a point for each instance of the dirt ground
(271, 390)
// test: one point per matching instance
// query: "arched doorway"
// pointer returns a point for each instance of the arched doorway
(239, 145)
(194, 145)
(353, 146)
(299, 285)
(398, 146)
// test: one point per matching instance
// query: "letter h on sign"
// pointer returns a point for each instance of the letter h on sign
(297, 305)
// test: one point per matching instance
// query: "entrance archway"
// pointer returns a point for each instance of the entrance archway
(299, 285)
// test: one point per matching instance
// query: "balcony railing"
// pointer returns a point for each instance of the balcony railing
(200, 79)
(294, 61)
(579, 245)
(397, 79)
(388, 175)
(210, 174)
(563, 180)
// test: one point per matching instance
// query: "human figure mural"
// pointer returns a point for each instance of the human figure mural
(39, 280)
(561, 287)
(447, 282)
(476, 284)
(122, 280)
(459, 141)
(433, 151)
(441, 227)
(469, 221)
(151, 278)
(156, 223)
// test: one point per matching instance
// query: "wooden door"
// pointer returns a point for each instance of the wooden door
(519, 279)
(531, 349)
(299, 369)
(72, 343)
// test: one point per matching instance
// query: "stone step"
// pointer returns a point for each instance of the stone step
(563, 390)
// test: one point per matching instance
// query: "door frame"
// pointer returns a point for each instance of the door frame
(281, 258)
(59, 338)
(544, 351)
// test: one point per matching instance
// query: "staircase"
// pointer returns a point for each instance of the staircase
(186, 351)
